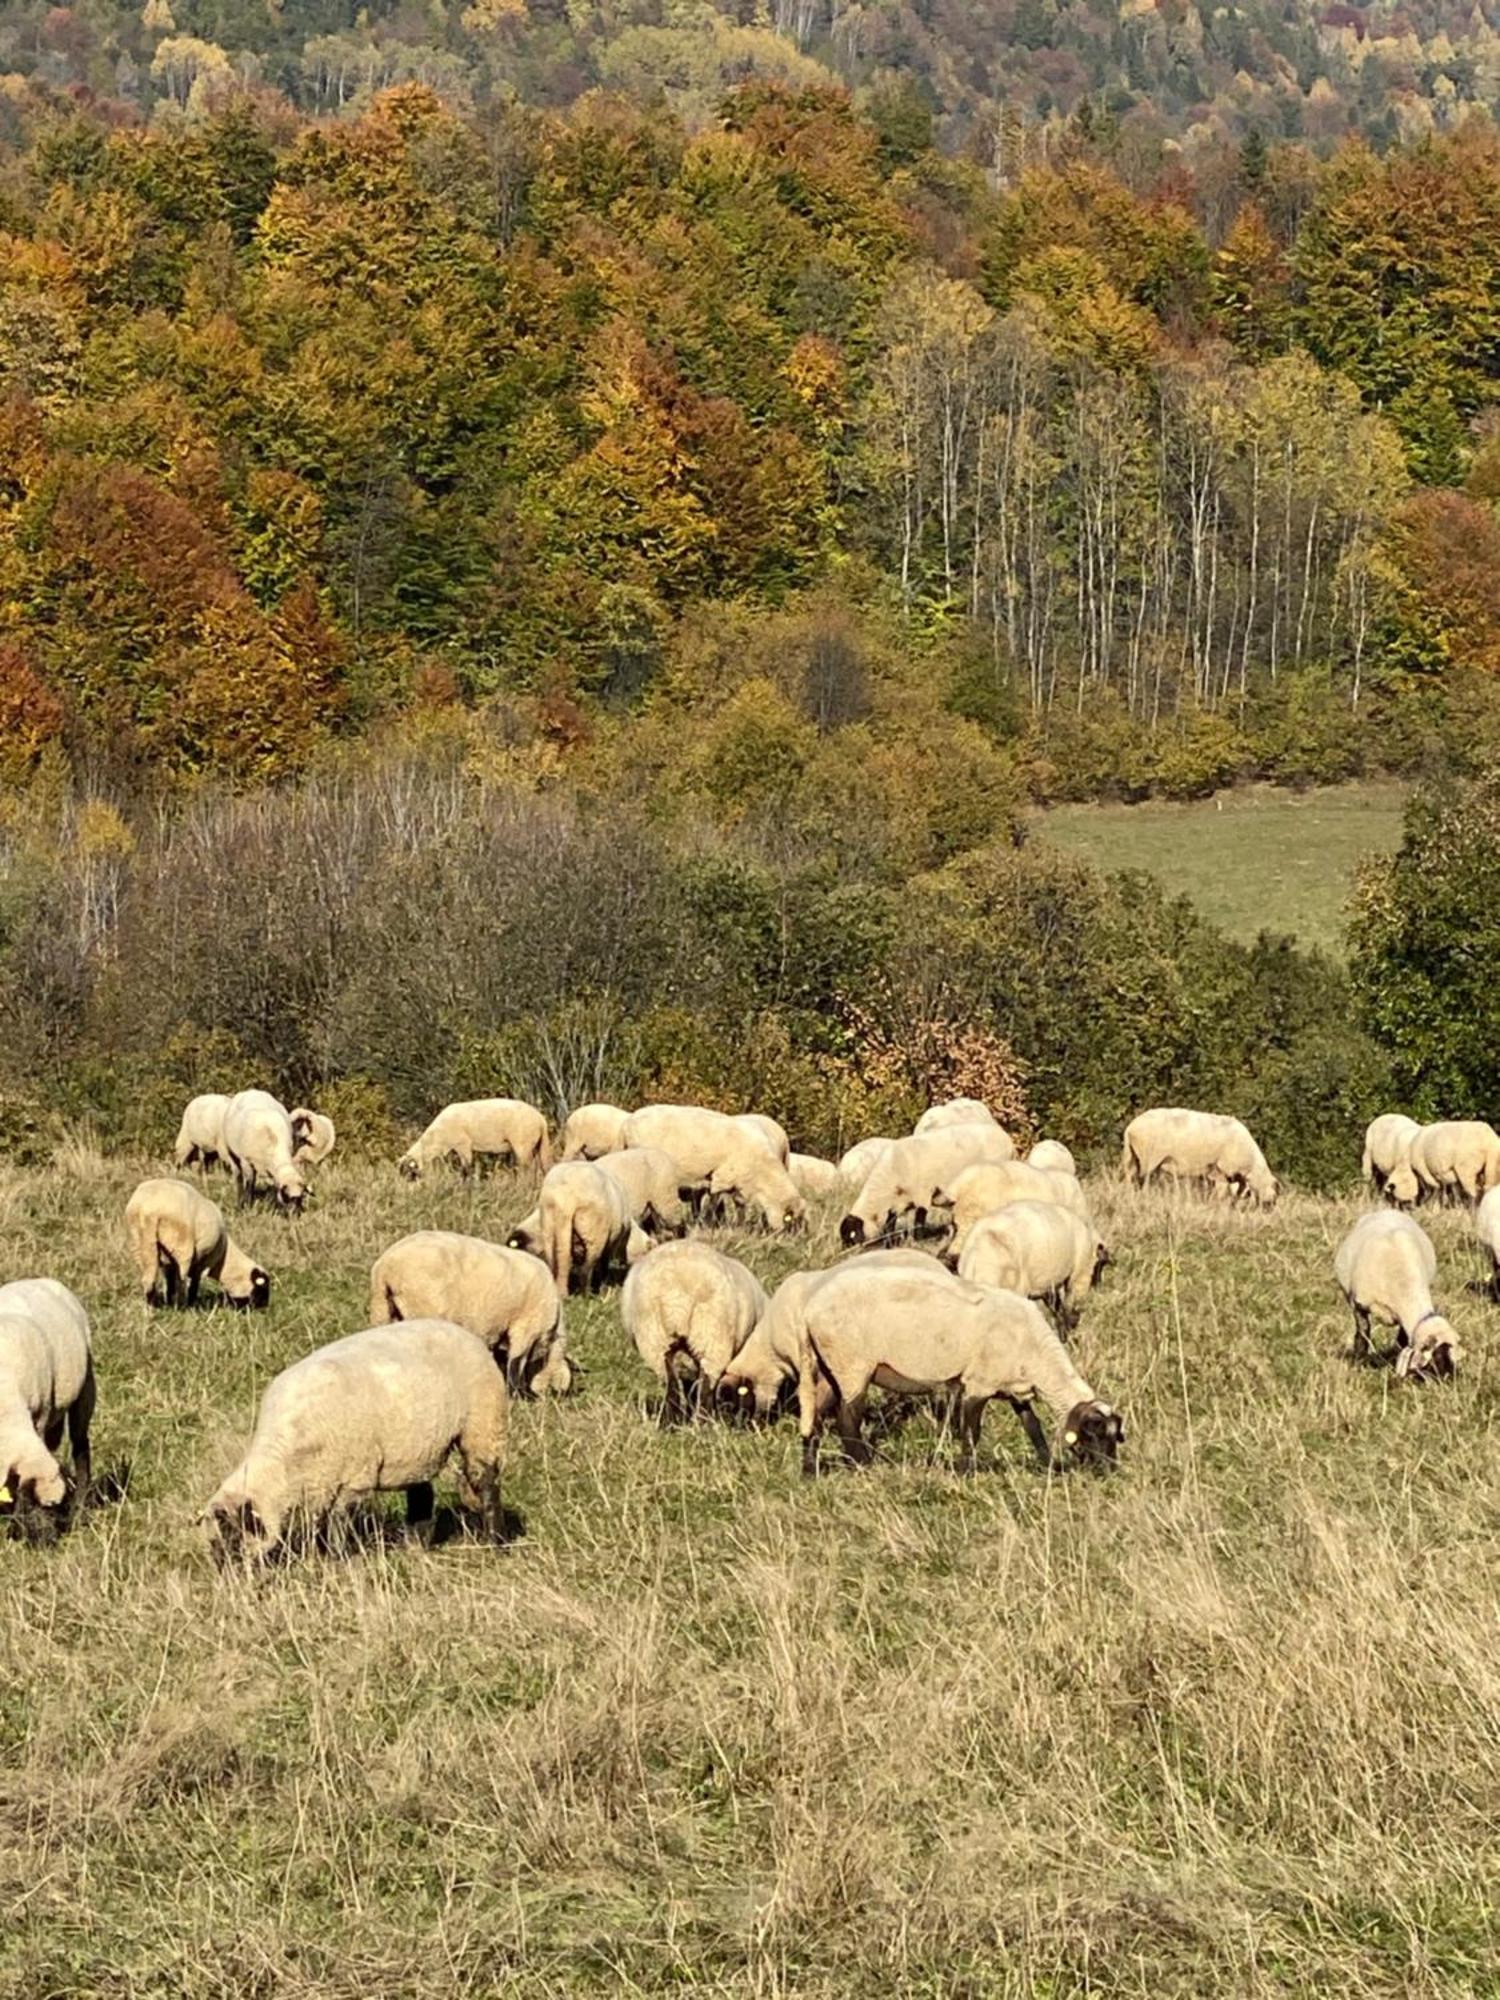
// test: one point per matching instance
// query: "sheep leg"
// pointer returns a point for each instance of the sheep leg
(80, 1417)
(195, 1279)
(1036, 1430)
(857, 1447)
(970, 1417)
(487, 1493)
(420, 1512)
(1361, 1347)
(674, 1402)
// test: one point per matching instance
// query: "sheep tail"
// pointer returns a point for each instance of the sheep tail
(543, 1156)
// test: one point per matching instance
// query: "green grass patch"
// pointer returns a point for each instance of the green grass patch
(1257, 858)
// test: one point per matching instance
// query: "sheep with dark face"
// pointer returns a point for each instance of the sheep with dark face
(923, 1332)
(1385, 1267)
(377, 1412)
(259, 1145)
(180, 1238)
(46, 1387)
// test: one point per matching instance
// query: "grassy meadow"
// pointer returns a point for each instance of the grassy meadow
(1252, 859)
(1228, 1721)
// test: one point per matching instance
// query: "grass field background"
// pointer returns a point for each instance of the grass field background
(1227, 1722)
(1253, 859)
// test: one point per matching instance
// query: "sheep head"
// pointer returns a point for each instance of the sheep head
(1093, 1433)
(1432, 1354)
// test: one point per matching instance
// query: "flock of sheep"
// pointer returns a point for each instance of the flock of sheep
(956, 1246)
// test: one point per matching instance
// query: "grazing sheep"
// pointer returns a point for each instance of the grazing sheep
(591, 1131)
(924, 1332)
(1039, 1250)
(766, 1367)
(1197, 1146)
(989, 1184)
(813, 1176)
(648, 1179)
(502, 1127)
(180, 1238)
(259, 1146)
(1487, 1229)
(1387, 1157)
(46, 1385)
(957, 1111)
(200, 1137)
(372, 1413)
(855, 1165)
(718, 1158)
(314, 1135)
(689, 1308)
(771, 1135)
(1054, 1156)
(1385, 1267)
(1458, 1157)
(915, 1178)
(582, 1227)
(507, 1297)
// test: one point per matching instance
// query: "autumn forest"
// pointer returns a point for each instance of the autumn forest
(785, 466)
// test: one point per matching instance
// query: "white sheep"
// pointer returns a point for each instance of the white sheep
(1039, 1250)
(768, 1131)
(200, 1137)
(314, 1135)
(1458, 1157)
(1385, 1267)
(925, 1332)
(46, 1386)
(813, 1176)
(766, 1366)
(499, 1127)
(180, 1238)
(648, 1179)
(1198, 1146)
(1054, 1156)
(988, 1185)
(956, 1111)
(591, 1131)
(507, 1297)
(582, 1227)
(856, 1164)
(1387, 1156)
(259, 1146)
(375, 1412)
(1487, 1230)
(911, 1184)
(717, 1158)
(689, 1308)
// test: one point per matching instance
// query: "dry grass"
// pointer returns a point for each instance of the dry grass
(1229, 1722)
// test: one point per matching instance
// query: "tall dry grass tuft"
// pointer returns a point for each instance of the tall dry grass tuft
(1228, 1722)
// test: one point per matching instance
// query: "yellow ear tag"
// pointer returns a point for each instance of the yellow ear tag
(1070, 1437)
(4, 1495)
